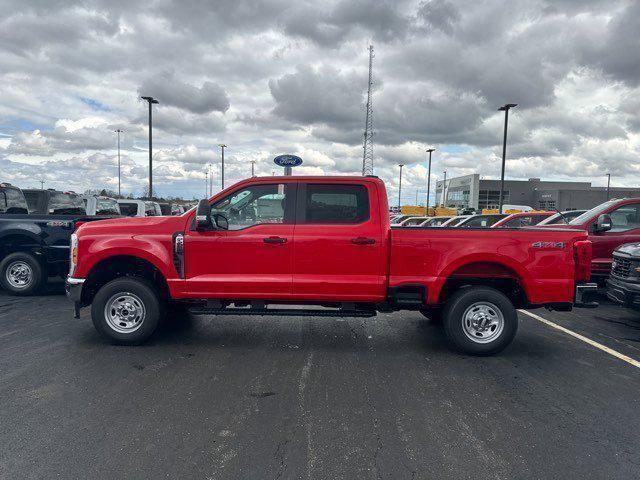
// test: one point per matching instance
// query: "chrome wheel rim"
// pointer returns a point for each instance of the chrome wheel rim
(19, 274)
(124, 312)
(482, 322)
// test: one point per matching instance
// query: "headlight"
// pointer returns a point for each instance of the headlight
(73, 254)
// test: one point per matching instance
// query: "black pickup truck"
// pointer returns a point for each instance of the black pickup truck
(623, 284)
(34, 247)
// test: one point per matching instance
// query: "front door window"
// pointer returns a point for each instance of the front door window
(253, 205)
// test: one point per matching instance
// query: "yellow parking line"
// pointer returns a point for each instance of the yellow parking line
(593, 343)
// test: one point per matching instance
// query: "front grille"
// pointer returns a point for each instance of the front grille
(621, 267)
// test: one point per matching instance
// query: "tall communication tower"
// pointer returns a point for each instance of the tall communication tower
(367, 155)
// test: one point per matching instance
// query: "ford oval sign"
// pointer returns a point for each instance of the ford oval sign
(287, 161)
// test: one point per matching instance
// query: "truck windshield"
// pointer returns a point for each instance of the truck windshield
(130, 209)
(66, 204)
(150, 209)
(595, 211)
(12, 201)
(107, 206)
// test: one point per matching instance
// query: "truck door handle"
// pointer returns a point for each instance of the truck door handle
(274, 240)
(363, 241)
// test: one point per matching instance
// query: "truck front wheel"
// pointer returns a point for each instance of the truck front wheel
(480, 321)
(127, 310)
(21, 274)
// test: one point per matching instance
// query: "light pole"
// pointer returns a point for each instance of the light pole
(430, 150)
(608, 184)
(210, 180)
(253, 165)
(118, 131)
(206, 183)
(505, 109)
(444, 190)
(400, 187)
(151, 101)
(222, 146)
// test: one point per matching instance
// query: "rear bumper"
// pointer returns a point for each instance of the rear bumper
(583, 294)
(624, 293)
(73, 289)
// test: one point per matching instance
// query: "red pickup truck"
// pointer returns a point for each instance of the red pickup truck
(325, 243)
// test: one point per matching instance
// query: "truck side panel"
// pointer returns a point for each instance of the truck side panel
(541, 260)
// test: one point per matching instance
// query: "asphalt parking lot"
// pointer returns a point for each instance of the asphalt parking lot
(262, 398)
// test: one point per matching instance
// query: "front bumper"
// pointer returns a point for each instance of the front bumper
(583, 292)
(622, 292)
(73, 288)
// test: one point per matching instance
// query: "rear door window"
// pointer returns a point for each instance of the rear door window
(12, 201)
(335, 204)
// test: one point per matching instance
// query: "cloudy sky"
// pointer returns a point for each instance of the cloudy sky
(271, 77)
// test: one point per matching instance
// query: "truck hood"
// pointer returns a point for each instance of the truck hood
(133, 225)
(632, 249)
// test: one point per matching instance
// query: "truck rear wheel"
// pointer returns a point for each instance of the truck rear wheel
(21, 274)
(127, 310)
(480, 321)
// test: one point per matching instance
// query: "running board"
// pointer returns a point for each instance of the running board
(291, 312)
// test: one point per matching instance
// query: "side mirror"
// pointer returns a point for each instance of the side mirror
(203, 215)
(604, 223)
(221, 221)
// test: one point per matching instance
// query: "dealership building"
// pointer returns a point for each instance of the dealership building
(472, 191)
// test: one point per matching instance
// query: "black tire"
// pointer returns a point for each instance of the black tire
(479, 302)
(433, 314)
(31, 268)
(136, 292)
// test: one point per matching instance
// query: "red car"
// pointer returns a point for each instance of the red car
(523, 219)
(610, 225)
(324, 241)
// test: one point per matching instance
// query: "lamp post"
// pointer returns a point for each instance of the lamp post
(444, 190)
(608, 184)
(210, 186)
(430, 150)
(505, 108)
(400, 186)
(118, 131)
(206, 183)
(253, 165)
(222, 146)
(151, 101)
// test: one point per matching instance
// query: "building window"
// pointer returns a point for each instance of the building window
(490, 199)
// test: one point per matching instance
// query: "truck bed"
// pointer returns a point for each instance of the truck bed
(430, 256)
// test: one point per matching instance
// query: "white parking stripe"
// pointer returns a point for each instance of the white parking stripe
(593, 343)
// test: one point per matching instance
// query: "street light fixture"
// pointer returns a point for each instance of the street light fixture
(400, 186)
(151, 101)
(505, 109)
(222, 146)
(430, 150)
(608, 184)
(118, 131)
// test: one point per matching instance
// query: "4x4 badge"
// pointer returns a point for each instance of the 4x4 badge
(548, 245)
